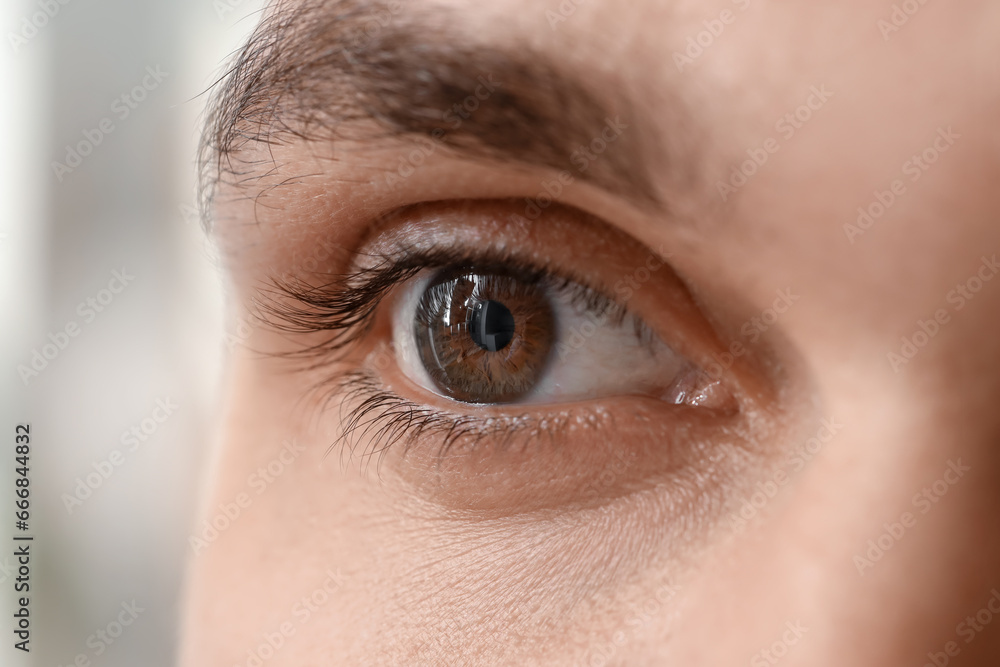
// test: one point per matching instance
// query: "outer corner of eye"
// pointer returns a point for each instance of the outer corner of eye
(697, 388)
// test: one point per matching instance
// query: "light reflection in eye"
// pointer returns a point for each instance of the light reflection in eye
(483, 338)
(495, 338)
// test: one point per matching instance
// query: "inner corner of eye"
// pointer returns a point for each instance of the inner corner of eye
(495, 337)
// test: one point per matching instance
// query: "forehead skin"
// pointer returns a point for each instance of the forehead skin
(888, 96)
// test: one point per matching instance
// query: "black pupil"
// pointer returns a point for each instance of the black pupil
(491, 325)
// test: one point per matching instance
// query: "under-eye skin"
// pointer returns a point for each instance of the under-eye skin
(456, 332)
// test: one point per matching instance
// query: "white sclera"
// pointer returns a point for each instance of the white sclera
(593, 356)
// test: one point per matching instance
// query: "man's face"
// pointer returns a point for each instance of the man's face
(595, 333)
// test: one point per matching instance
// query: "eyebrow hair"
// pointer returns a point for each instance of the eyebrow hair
(310, 68)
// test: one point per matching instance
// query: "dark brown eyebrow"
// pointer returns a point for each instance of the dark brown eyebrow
(311, 68)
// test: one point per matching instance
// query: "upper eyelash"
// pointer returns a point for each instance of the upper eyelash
(346, 305)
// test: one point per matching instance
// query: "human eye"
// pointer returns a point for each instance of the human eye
(461, 336)
(494, 330)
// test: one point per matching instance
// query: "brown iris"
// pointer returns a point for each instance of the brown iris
(484, 338)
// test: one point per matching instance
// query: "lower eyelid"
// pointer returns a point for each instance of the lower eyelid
(486, 461)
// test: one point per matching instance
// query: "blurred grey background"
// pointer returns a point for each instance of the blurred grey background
(100, 106)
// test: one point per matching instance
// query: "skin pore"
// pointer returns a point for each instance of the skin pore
(801, 205)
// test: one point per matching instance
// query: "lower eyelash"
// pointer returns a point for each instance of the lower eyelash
(371, 413)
